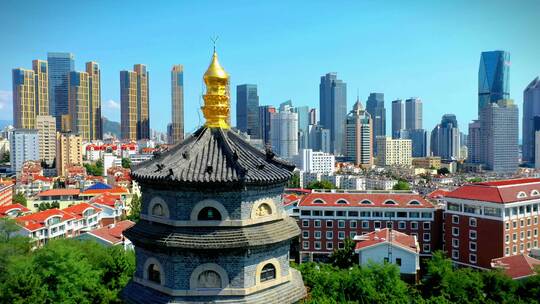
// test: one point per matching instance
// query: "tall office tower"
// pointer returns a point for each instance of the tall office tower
(68, 151)
(473, 143)
(420, 141)
(413, 113)
(143, 102)
(531, 120)
(333, 109)
(312, 116)
(319, 138)
(358, 144)
(493, 78)
(398, 117)
(46, 127)
(375, 108)
(24, 105)
(41, 86)
(303, 125)
(79, 107)
(394, 152)
(177, 104)
(247, 109)
(94, 100)
(24, 146)
(60, 64)
(445, 138)
(284, 133)
(265, 114)
(499, 136)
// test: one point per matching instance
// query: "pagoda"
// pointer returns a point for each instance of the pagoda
(212, 226)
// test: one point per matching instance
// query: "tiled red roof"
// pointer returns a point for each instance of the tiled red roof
(400, 239)
(290, 198)
(517, 266)
(401, 200)
(78, 209)
(439, 193)
(106, 199)
(115, 190)
(42, 178)
(299, 190)
(505, 191)
(7, 208)
(59, 192)
(112, 235)
(37, 220)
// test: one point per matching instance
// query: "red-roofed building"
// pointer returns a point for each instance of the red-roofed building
(119, 176)
(113, 207)
(49, 224)
(388, 245)
(30, 186)
(327, 218)
(518, 266)
(6, 193)
(90, 215)
(114, 190)
(111, 235)
(13, 210)
(489, 220)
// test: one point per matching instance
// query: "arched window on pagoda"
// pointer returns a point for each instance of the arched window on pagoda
(209, 214)
(209, 279)
(154, 273)
(157, 210)
(268, 272)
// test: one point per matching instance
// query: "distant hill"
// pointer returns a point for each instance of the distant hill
(110, 126)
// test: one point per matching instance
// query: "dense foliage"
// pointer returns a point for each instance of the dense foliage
(126, 163)
(134, 208)
(443, 283)
(324, 184)
(19, 198)
(294, 182)
(63, 271)
(95, 169)
(402, 185)
(47, 205)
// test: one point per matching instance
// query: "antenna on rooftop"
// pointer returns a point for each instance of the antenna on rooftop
(214, 40)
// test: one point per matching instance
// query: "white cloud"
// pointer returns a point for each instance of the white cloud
(5, 104)
(111, 104)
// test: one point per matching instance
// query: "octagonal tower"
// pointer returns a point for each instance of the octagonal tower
(212, 226)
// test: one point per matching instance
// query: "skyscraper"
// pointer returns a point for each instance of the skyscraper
(358, 145)
(60, 64)
(493, 78)
(284, 132)
(24, 102)
(333, 109)
(68, 151)
(420, 141)
(531, 115)
(41, 86)
(375, 108)
(79, 107)
(313, 116)
(24, 146)
(303, 125)
(413, 113)
(499, 136)
(94, 100)
(177, 104)
(247, 109)
(134, 102)
(46, 127)
(445, 138)
(398, 117)
(473, 143)
(265, 114)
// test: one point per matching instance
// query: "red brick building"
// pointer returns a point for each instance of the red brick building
(488, 220)
(327, 218)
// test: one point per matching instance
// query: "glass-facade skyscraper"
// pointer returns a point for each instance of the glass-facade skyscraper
(60, 64)
(493, 78)
(375, 107)
(333, 109)
(398, 117)
(531, 119)
(134, 103)
(413, 113)
(177, 104)
(247, 109)
(445, 138)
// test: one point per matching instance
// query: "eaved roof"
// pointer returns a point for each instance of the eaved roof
(386, 235)
(517, 266)
(106, 199)
(5, 209)
(78, 209)
(99, 186)
(365, 199)
(59, 192)
(112, 235)
(438, 193)
(37, 220)
(114, 190)
(213, 156)
(503, 191)
(290, 198)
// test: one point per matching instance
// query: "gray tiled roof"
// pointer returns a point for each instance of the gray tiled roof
(224, 237)
(214, 155)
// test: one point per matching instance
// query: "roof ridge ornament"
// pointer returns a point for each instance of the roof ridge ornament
(216, 108)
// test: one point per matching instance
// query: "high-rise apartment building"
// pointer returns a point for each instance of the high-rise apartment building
(420, 141)
(60, 64)
(24, 102)
(41, 86)
(358, 136)
(499, 136)
(303, 126)
(24, 146)
(445, 138)
(94, 100)
(177, 104)
(398, 117)
(284, 133)
(413, 113)
(68, 151)
(312, 116)
(333, 109)
(265, 114)
(394, 151)
(247, 107)
(46, 127)
(315, 162)
(377, 111)
(473, 143)
(79, 107)
(493, 78)
(134, 102)
(531, 120)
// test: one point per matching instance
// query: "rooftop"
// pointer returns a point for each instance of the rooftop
(517, 266)
(59, 192)
(365, 199)
(385, 235)
(112, 234)
(503, 191)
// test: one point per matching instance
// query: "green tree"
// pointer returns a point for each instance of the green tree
(5, 158)
(126, 162)
(294, 182)
(345, 257)
(19, 198)
(134, 208)
(475, 180)
(443, 171)
(402, 185)
(95, 169)
(324, 184)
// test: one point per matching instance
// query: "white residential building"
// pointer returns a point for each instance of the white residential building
(24, 146)
(284, 133)
(315, 162)
(393, 151)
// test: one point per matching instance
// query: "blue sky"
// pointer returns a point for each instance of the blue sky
(429, 49)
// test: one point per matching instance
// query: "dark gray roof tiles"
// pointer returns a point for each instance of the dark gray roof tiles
(213, 155)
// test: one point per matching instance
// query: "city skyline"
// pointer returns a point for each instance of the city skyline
(431, 71)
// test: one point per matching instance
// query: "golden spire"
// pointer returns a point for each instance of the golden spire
(216, 107)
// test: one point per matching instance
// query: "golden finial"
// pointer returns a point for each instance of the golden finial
(216, 107)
